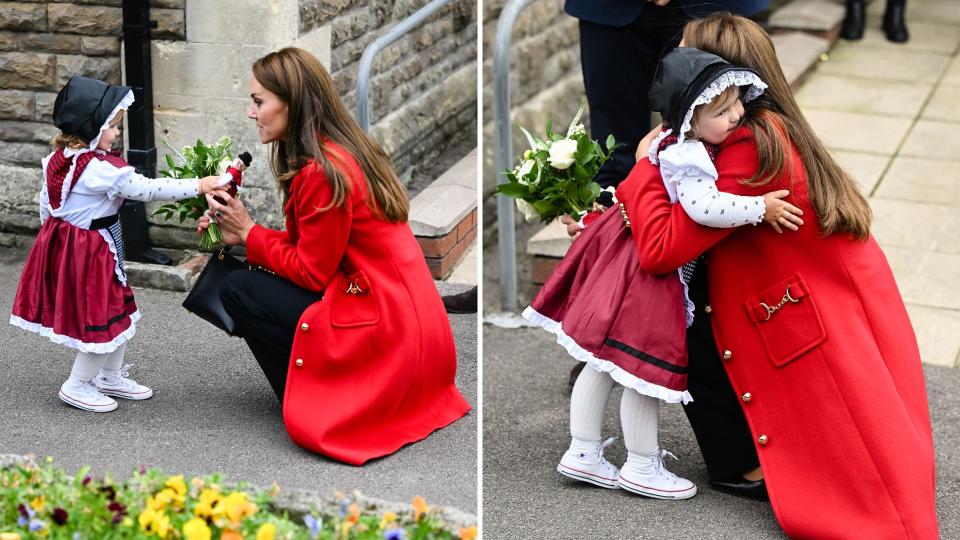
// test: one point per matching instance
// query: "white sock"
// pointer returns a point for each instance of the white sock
(638, 417)
(114, 361)
(87, 365)
(588, 402)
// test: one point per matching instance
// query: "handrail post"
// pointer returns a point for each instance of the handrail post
(506, 227)
(366, 61)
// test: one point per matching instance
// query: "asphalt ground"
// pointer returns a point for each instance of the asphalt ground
(526, 430)
(213, 411)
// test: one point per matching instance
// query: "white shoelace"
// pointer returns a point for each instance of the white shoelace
(660, 468)
(119, 376)
(603, 446)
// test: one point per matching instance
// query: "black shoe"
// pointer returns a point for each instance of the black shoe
(854, 21)
(894, 23)
(741, 487)
(465, 302)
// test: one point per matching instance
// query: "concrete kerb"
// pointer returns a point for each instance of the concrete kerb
(299, 502)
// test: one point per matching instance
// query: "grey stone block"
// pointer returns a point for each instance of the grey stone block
(25, 153)
(156, 276)
(104, 69)
(44, 106)
(19, 197)
(171, 25)
(27, 71)
(100, 46)
(268, 23)
(551, 241)
(27, 132)
(57, 43)
(8, 41)
(16, 105)
(22, 16)
(815, 15)
(86, 20)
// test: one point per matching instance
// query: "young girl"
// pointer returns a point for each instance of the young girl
(73, 289)
(628, 325)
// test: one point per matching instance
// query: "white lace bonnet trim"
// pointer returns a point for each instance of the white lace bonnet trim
(124, 104)
(724, 81)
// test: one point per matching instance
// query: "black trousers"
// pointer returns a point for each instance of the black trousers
(715, 413)
(618, 65)
(266, 309)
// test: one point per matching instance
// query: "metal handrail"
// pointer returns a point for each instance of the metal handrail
(366, 61)
(506, 228)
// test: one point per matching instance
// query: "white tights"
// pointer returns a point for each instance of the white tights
(87, 365)
(638, 413)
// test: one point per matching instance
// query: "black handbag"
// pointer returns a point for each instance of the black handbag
(204, 299)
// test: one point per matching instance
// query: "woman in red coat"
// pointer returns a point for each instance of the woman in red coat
(344, 319)
(811, 326)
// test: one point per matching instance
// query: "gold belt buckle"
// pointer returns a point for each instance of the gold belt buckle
(771, 310)
(352, 288)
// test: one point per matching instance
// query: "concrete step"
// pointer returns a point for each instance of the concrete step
(547, 247)
(799, 53)
(821, 18)
(444, 216)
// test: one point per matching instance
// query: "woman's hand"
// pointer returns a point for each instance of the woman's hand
(779, 213)
(643, 149)
(231, 216)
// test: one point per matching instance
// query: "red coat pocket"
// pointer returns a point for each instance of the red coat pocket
(787, 320)
(354, 302)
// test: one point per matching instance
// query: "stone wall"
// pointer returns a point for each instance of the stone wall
(545, 78)
(43, 43)
(423, 93)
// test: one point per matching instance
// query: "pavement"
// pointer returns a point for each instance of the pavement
(213, 411)
(526, 430)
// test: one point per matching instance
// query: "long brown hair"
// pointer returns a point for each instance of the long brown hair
(314, 114)
(777, 123)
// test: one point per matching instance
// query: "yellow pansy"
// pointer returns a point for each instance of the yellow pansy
(419, 507)
(208, 503)
(38, 504)
(178, 485)
(266, 531)
(9, 536)
(229, 534)
(196, 529)
(236, 507)
(154, 522)
(388, 518)
(468, 533)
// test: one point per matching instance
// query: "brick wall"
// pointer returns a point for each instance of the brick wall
(545, 78)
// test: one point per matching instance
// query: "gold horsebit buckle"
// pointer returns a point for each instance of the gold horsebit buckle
(352, 288)
(783, 301)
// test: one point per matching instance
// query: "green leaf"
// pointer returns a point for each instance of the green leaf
(514, 190)
(611, 142)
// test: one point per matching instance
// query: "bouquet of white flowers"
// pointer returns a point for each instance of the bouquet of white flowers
(555, 176)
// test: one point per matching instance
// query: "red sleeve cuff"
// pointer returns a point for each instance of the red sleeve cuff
(256, 252)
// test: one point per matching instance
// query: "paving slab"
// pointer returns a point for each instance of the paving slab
(921, 180)
(944, 105)
(952, 76)
(849, 59)
(466, 270)
(925, 226)
(938, 334)
(934, 283)
(933, 139)
(924, 37)
(865, 168)
(213, 411)
(872, 133)
(893, 98)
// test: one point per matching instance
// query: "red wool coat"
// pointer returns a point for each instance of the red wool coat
(829, 377)
(373, 362)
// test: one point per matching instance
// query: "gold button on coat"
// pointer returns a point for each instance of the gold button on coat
(762, 440)
(304, 327)
(746, 397)
(727, 355)
(707, 309)
(299, 362)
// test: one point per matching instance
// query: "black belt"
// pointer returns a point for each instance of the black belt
(104, 222)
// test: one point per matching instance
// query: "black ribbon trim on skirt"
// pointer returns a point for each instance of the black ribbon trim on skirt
(104, 327)
(645, 357)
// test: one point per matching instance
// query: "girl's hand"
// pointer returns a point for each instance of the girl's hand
(231, 216)
(781, 213)
(643, 149)
(573, 226)
(209, 184)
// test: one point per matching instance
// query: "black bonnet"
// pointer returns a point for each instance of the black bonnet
(84, 105)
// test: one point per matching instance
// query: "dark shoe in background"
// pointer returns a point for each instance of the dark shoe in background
(574, 373)
(894, 21)
(741, 487)
(465, 302)
(855, 20)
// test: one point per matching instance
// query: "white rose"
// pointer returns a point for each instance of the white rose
(561, 153)
(529, 212)
(524, 170)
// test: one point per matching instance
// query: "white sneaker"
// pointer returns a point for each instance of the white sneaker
(584, 461)
(84, 395)
(115, 383)
(646, 475)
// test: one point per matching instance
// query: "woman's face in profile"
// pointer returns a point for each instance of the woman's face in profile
(268, 111)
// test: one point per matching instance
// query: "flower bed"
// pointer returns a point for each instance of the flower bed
(42, 501)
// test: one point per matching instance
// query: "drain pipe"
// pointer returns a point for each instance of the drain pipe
(141, 152)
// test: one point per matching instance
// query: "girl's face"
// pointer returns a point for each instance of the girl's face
(110, 134)
(268, 111)
(716, 121)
